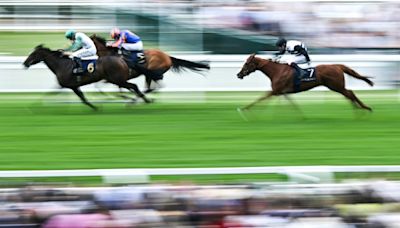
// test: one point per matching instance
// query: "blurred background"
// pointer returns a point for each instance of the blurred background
(220, 27)
(189, 159)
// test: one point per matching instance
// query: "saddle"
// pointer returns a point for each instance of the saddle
(137, 60)
(303, 75)
(85, 65)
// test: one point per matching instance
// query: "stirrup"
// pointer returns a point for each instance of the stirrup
(78, 70)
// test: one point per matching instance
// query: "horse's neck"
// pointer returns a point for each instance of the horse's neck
(54, 62)
(102, 49)
(267, 67)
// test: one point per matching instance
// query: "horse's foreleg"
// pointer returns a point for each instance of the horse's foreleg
(293, 103)
(122, 95)
(56, 91)
(134, 88)
(266, 96)
(78, 92)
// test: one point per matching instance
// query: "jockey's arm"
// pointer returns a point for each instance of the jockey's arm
(117, 43)
(302, 51)
(280, 52)
(76, 45)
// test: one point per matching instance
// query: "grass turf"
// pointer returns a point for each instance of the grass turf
(211, 134)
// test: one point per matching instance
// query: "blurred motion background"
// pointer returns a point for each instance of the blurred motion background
(220, 27)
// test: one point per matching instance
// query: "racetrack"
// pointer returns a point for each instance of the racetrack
(203, 131)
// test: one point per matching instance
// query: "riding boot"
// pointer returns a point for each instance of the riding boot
(78, 66)
(298, 70)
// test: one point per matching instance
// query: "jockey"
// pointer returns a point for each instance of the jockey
(297, 53)
(128, 41)
(82, 46)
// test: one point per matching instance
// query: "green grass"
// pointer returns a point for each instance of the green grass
(212, 134)
(22, 43)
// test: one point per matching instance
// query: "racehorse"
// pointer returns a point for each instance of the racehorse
(157, 62)
(110, 68)
(283, 83)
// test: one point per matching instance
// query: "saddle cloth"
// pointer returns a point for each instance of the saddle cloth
(134, 56)
(89, 65)
(303, 75)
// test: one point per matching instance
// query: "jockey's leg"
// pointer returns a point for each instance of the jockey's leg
(298, 69)
(298, 59)
(129, 49)
(78, 66)
(77, 58)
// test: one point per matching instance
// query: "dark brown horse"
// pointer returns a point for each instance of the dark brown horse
(282, 81)
(110, 68)
(157, 62)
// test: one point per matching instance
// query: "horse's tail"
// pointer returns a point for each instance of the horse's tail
(353, 73)
(179, 64)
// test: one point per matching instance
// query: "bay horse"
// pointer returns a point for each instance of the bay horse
(157, 62)
(282, 79)
(110, 68)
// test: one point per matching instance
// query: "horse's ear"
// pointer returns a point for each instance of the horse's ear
(93, 36)
(251, 57)
(39, 46)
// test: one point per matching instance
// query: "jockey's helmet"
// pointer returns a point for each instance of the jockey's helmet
(115, 33)
(280, 42)
(70, 34)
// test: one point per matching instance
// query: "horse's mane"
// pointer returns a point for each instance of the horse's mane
(99, 38)
(58, 53)
(103, 41)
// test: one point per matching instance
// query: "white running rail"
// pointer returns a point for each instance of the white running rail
(142, 174)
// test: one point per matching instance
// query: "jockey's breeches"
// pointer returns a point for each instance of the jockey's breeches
(85, 52)
(138, 46)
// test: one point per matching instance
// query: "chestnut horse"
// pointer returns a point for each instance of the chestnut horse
(110, 68)
(157, 62)
(282, 79)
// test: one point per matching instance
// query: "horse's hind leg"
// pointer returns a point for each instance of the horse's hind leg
(78, 92)
(134, 88)
(148, 85)
(153, 78)
(350, 95)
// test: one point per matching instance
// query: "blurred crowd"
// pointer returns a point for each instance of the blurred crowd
(371, 204)
(321, 24)
(331, 24)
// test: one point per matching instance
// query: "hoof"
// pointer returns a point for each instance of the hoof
(148, 90)
(148, 100)
(242, 114)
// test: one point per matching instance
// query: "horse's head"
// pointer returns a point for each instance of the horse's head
(36, 56)
(101, 46)
(249, 67)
